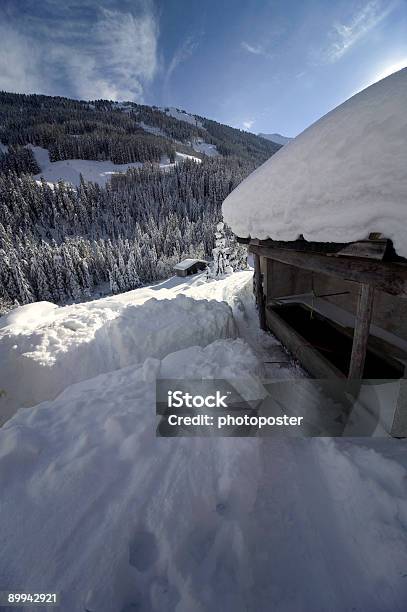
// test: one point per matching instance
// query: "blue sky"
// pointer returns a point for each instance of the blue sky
(261, 65)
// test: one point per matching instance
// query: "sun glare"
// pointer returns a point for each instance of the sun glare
(390, 69)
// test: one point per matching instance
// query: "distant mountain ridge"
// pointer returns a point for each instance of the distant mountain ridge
(122, 132)
(276, 138)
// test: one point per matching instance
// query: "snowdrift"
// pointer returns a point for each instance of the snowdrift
(44, 349)
(342, 178)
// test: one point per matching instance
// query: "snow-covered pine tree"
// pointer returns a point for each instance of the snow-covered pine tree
(220, 251)
(24, 289)
(40, 281)
(237, 255)
(114, 280)
(228, 255)
(133, 278)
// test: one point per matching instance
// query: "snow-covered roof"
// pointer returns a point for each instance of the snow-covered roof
(187, 263)
(344, 177)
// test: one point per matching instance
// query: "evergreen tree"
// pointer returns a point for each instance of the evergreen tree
(220, 252)
(57, 243)
(228, 255)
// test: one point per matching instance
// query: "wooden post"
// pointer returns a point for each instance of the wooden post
(361, 333)
(259, 292)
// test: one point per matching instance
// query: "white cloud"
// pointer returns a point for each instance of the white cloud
(344, 35)
(19, 63)
(128, 46)
(182, 54)
(248, 124)
(113, 57)
(255, 49)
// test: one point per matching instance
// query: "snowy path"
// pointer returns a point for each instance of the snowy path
(317, 551)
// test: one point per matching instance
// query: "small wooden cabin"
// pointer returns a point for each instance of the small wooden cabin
(337, 300)
(186, 267)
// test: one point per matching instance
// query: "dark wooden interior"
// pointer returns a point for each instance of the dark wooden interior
(302, 287)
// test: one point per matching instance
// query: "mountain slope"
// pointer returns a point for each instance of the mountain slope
(148, 205)
(276, 138)
(119, 132)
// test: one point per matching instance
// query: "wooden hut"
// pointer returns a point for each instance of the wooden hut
(187, 267)
(326, 222)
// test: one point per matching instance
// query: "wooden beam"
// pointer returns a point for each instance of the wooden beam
(369, 249)
(388, 277)
(259, 292)
(361, 333)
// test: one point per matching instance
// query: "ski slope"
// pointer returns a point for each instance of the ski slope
(100, 172)
(98, 508)
(69, 170)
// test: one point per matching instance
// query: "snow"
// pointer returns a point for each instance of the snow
(69, 170)
(40, 359)
(277, 138)
(205, 147)
(45, 348)
(182, 116)
(198, 145)
(152, 129)
(98, 508)
(166, 164)
(126, 107)
(187, 263)
(180, 157)
(28, 316)
(100, 172)
(339, 180)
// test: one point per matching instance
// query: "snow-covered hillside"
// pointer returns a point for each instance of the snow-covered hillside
(69, 170)
(182, 115)
(277, 138)
(100, 172)
(98, 508)
(205, 147)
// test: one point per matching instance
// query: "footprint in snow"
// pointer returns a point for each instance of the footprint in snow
(143, 550)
